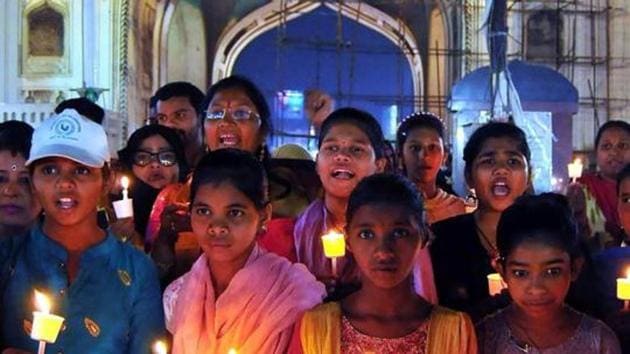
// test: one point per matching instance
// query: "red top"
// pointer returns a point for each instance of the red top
(605, 193)
(279, 238)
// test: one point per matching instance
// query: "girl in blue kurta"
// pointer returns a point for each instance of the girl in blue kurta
(107, 291)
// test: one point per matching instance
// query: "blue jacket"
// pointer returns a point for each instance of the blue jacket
(112, 306)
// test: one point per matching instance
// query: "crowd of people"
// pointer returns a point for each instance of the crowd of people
(224, 253)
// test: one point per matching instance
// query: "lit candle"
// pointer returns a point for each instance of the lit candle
(495, 284)
(334, 247)
(124, 182)
(575, 169)
(232, 351)
(45, 325)
(623, 290)
(159, 347)
(124, 207)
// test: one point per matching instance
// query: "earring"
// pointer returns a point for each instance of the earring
(263, 148)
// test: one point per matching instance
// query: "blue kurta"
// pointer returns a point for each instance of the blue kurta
(113, 305)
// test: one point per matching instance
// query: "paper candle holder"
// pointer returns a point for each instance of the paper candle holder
(334, 244)
(495, 284)
(123, 208)
(46, 326)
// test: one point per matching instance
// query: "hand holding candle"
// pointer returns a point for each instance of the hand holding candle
(45, 325)
(124, 207)
(623, 290)
(334, 246)
(575, 170)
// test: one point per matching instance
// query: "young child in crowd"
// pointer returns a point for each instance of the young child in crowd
(107, 291)
(498, 168)
(421, 151)
(539, 258)
(18, 208)
(385, 231)
(237, 295)
(350, 148)
(594, 198)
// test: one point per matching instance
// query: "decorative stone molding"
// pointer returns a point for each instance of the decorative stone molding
(45, 40)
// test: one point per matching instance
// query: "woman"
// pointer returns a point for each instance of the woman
(18, 208)
(594, 198)
(237, 116)
(155, 156)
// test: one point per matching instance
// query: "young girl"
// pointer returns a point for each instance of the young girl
(107, 291)
(594, 198)
(237, 295)
(18, 207)
(385, 231)
(497, 167)
(540, 257)
(350, 148)
(234, 115)
(420, 145)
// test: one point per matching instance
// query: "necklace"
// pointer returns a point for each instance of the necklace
(492, 250)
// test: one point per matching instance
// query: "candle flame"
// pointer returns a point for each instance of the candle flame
(232, 351)
(124, 182)
(42, 303)
(577, 161)
(159, 347)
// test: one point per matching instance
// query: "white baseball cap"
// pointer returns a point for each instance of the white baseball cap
(70, 135)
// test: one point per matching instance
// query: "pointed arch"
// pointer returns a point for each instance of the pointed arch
(235, 38)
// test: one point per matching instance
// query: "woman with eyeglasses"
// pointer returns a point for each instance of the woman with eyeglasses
(155, 157)
(235, 115)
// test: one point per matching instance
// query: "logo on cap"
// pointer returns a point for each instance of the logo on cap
(66, 127)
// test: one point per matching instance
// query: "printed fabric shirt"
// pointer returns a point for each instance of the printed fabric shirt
(355, 342)
(112, 306)
(591, 336)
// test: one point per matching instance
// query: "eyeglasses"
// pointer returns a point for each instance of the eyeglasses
(165, 158)
(238, 114)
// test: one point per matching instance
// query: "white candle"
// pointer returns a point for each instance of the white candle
(160, 348)
(575, 169)
(124, 182)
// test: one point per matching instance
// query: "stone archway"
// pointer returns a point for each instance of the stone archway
(238, 36)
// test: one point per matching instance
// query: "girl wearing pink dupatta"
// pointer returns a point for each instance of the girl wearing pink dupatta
(350, 148)
(237, 295)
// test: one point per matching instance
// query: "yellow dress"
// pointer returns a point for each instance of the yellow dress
(449, 331)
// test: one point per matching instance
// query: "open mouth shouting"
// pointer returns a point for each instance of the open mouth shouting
(342, 174)
(229, 140)
(65, 203)
(500, 188)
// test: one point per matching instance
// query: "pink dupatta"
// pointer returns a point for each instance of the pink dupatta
(255, 314)
(313, 223)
